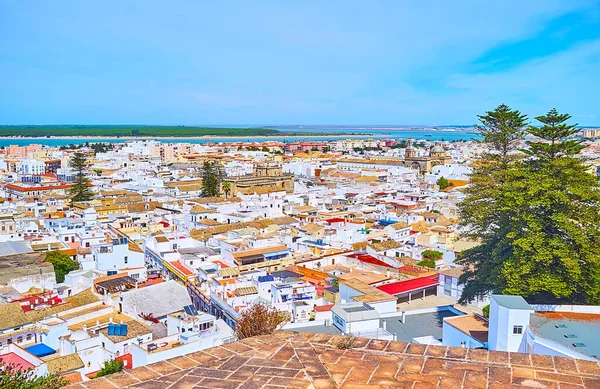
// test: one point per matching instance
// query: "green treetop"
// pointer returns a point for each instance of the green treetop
(536, 214)
(80, 190)
(62, 263)
(210, 180)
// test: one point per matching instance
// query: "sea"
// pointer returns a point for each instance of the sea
(334, 133)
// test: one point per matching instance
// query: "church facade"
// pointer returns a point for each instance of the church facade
(424, 164)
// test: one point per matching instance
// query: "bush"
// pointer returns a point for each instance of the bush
(259, 319)
(443, 183)
(110, 367)
(11, 378)
(433, 255)
(345, 343)
(486, 311)
(427, 263)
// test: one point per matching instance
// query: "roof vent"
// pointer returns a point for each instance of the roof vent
(570, 336)
(578, 344)
(560, 326)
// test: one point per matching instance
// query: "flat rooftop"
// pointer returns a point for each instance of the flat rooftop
(417, 325)
(577, 331)
(23, 265)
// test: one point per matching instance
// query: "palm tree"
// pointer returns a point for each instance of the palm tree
(226, 187)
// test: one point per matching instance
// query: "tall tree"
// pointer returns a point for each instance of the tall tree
(80, 190)
(486, 212)
(210, 180)
(557, 250)
(226, 186)
(538, 220)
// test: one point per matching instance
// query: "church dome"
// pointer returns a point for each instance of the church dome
(437, 149)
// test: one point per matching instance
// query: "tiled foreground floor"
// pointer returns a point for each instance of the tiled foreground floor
(305, 360)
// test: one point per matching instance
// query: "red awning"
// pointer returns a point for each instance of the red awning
(409, 285)
(370, 259)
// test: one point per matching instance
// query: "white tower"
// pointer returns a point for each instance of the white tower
(509, 318)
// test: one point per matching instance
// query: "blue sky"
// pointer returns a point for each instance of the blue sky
(284, 62)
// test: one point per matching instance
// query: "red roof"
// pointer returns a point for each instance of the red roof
(324, 308)
(34, 188)
(409, 285)
(16, 362)
(181, 268)
(370, 259)
(335, 220)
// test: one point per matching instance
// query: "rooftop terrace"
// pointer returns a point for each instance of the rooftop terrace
(306, 360)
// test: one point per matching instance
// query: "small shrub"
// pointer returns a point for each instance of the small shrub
(110, 367)
(259, 319)
(345, 343)
(486, 311)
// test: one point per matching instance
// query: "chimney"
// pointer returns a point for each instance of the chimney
(110, 320)
(403, 318)
(384, 325)
(84, 327)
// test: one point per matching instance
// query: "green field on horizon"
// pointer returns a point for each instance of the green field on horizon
(118, 130)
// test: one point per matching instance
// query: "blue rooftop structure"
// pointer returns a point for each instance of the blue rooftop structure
(40, 350)
(266, 278)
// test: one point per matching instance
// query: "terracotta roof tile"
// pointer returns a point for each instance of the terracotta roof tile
(307, 360)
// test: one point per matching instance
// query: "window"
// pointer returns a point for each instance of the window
(28, 337)
(517, 330)
(9, 341)
(125, 259)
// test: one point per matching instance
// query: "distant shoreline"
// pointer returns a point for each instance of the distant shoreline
(147, 137)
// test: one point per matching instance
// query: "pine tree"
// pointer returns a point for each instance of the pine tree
(80, 190)
(210, 180)
(557, 249)
(536, 214)
(484, 214)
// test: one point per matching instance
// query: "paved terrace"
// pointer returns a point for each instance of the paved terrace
(305, 360)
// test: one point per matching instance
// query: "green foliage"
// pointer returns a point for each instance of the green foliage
(80, 190)
(75, 131)
(11, 378)
(486, 311)
(427, 263)
(536, 214)
(226, 187)
(100, 147)
(443, 183)
(62, 263)
(210, 180)
(432, 254)
(503, 128)
(110, 367)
